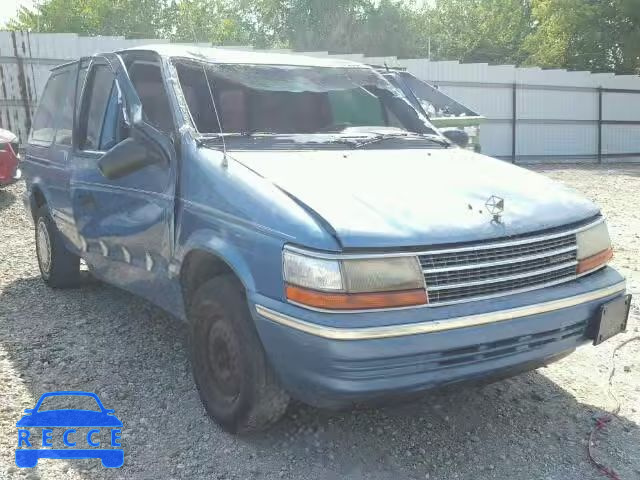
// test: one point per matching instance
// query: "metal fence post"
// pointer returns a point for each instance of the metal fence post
(514, 121)
(600, 124)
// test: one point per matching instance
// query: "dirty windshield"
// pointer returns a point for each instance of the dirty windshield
(301, 101)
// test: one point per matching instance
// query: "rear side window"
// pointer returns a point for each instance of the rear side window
(44, 124)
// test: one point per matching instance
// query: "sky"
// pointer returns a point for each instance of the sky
(10, 7)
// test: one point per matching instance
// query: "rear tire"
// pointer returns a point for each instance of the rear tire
(58, 266)
(236, 384)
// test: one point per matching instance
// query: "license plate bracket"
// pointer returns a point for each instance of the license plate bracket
(610, 319)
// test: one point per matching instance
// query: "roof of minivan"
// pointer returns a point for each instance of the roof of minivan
(224, 55)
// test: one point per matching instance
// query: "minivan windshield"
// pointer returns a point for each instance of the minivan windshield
(295, 100)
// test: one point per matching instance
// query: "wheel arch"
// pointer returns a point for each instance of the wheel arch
(37, 198)
(202, 261)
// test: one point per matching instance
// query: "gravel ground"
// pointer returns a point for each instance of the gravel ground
(134, 357)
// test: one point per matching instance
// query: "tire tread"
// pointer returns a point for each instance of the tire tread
(267, 400)
(64, 271)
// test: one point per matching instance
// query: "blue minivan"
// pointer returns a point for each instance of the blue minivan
(323, 240)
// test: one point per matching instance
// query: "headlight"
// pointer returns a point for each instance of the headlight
(310, 272)
(353, 284)
(594, 248)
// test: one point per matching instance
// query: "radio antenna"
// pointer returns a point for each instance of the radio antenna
(225, 163)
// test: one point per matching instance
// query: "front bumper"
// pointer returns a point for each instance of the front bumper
(332, 360)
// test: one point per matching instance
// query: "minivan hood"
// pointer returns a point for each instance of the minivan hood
(377, 198)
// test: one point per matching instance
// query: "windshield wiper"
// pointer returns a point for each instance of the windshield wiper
(244, 134)
(354, 141)
(258, 133)
(219, 137)
(380, 137)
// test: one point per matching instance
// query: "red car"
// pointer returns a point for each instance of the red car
(9, 171)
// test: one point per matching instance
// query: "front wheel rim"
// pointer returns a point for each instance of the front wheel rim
(222, 356)
(43, 246)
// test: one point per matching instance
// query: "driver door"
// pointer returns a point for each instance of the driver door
(124, 226)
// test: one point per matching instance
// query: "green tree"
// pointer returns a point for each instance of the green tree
(133, 18)
(321, 25)
(595, 35)
(217, 21)
(598, 35)
(395, 28)
(490, 31)
(629, 43)
(376, 27)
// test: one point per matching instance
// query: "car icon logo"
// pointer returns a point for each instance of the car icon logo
(495, 206)
(81, 433)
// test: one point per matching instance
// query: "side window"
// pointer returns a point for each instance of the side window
(109, 136)
(99, 93)
(65, 119)
(147, 80)
(43, 127)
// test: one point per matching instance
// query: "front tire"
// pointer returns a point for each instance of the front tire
(59, 267)
(236, 384)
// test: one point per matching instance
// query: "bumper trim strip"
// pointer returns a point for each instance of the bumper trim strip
(388, 331)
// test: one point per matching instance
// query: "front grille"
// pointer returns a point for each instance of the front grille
(485, 253)
(486, 270)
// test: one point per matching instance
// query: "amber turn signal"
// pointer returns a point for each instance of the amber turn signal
(355, 301)
(594, 261)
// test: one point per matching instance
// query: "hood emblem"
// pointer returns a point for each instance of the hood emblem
(495, 206)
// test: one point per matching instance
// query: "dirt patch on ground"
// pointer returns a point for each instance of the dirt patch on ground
(134, 357)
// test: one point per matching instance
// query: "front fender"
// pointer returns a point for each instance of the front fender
(209, 241)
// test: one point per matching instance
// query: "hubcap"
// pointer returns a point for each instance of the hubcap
(223, 359)
(43, 246)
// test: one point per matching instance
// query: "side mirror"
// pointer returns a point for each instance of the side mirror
(127, 157)
(457, 136)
